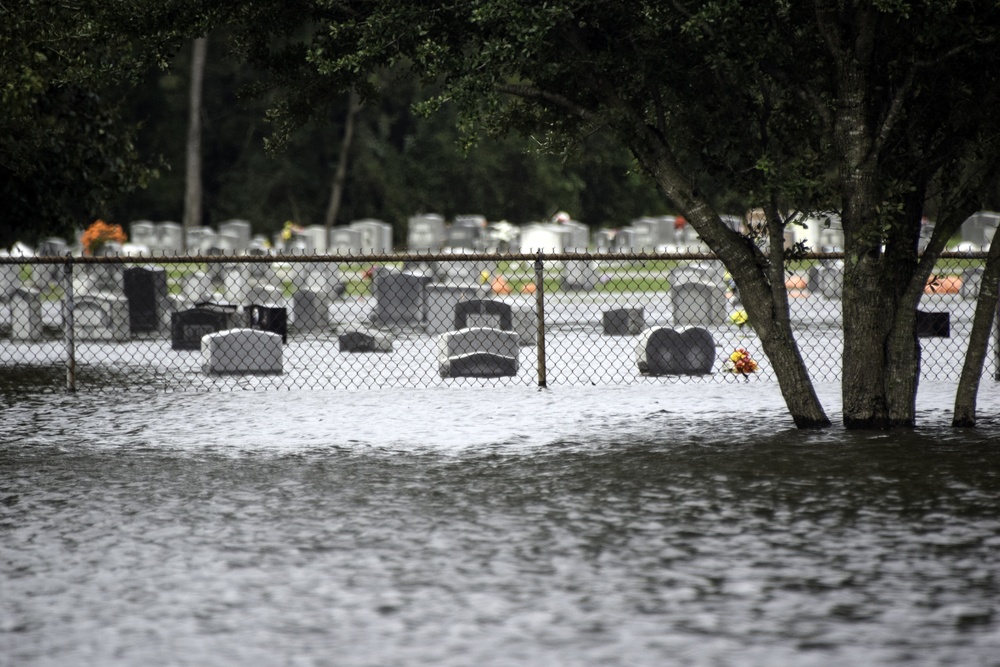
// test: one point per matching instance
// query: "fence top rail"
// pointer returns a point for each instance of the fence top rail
(412, 256)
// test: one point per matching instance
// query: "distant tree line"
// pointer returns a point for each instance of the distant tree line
(400, 162)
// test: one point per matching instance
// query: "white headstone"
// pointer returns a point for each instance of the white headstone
(425, 233)
(242, 351)
(478, 352)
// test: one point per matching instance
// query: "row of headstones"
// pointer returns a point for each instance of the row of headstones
(827, 279)
(485, 349)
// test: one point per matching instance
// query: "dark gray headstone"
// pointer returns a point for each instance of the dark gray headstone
(399, 297)
(663, 351)
(503, 313)
(623, 321)
(147, 292)
(187, 327)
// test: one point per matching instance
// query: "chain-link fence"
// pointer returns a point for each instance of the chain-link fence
(418, 320)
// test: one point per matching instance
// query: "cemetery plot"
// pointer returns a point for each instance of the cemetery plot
(453, 318)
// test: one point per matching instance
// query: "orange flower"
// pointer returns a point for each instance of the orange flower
(98, 234)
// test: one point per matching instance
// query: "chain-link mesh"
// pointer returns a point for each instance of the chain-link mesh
(263, 322)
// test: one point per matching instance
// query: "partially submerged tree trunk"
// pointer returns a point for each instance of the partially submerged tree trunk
(760, 279)
(979, 338)
(192, 182)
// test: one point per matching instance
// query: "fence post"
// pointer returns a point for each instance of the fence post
(540, 314)
(68, 326)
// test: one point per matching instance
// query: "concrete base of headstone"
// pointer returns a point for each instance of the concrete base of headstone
(242, 351)
(623, 322)
(101, 317)
(478, 352)
(25, 315)
(365, 341)
(663, 351)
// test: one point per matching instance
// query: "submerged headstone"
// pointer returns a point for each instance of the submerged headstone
(400, 297)
(242, 351)
(25, 315)
(698, 303)
(365, 340)
(663, 351)
(623, 321)
(148, 298)
(101, 317)
(188, 327)
(478, 352)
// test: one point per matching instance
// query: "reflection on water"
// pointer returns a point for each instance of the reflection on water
(490, 528)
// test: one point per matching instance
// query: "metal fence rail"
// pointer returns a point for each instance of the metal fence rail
(196, 323)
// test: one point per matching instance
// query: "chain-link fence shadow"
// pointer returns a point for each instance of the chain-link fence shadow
(420, 320)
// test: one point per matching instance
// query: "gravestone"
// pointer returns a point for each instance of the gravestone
(375, 236)
(972, 279)
(241, 351)
(425, 233)
(579, 276)
(491, 313)
(623, 321)
(25, 315)
(309, 310)
(44, 275)
(544, 237)
(345, 241)
(478, 352)
(465, 272)
(188, 327)
(604, 240)
(933, 325)
(979, 228)
(171, 237)
(274, 320)
(626, 240)
(647, 234)
(200, 240)
(698, 303)
(826, 278)
(100, 317)
(400, 297)
(663, 351)
(148, 297)
(198, 287)
(465, 231)
(365, 340)
(484, 313)
(239, 232)
(10, 277)
(441, 300)
(143, 232)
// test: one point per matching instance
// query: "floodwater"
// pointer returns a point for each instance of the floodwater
(673, 524)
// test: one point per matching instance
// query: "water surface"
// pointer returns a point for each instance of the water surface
(670, 525)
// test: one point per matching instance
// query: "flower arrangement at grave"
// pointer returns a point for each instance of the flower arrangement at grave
(739, 318)
(289, 230)
(99, 234)
(741, 363)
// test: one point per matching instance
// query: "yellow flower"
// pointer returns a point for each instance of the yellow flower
(739, 318)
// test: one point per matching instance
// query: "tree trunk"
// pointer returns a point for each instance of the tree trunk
(337, 187)
(192, 184)
(979, 338)
(765, 300)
